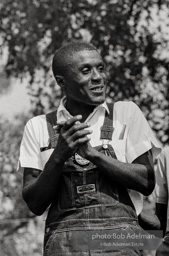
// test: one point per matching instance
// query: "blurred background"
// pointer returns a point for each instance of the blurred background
(133, 38)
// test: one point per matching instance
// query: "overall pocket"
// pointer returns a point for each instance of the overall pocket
(85, 189)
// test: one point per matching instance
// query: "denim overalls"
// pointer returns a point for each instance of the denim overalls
(88, 201)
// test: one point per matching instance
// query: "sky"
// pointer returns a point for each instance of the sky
(15, 101)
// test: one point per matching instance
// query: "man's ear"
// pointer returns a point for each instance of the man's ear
(60, 80)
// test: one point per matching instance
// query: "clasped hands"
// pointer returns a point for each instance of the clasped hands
(73, 138)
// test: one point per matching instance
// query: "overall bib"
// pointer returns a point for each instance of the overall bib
(88, 201)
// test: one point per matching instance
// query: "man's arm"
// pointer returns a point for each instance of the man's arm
(163, 247)
(161, 212)
(40, 188)
(138, 175)
(162, 188)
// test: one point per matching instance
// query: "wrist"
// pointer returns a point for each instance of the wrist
(93, 155)
(57, 159)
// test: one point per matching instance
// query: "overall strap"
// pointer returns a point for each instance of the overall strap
(51, 119)
(107, 128)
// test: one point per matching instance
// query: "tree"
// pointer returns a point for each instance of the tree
(15, 218)
(131, 36)
(128, 33)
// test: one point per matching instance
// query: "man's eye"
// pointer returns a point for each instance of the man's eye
(85, 70)
(101, 68)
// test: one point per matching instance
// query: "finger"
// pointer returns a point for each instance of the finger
(59, 124)
(81, 141)
(77, 127)
(57, 128)
(80, 134)
(69, 123)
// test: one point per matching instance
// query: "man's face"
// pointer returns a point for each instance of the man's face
(85, 81)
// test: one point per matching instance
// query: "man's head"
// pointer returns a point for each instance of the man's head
(64, 54)
(79, 69)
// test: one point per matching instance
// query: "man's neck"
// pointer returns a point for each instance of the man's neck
(80, 109)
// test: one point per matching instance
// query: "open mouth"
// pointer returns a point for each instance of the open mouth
(97, 89)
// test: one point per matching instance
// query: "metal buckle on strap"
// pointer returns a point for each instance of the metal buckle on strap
(106, 132)
(89, 188)
(105, 144)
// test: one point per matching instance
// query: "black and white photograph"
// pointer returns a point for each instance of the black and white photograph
(84, 128)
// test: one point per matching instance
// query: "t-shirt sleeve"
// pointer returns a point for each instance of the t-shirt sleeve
(161, 190)
(140, 136)
(30, 149)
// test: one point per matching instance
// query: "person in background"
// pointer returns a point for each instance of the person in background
(88, 162)
(162, 199)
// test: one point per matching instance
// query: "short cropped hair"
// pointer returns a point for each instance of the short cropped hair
(63, 54)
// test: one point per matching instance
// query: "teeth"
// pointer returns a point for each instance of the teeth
(97, 89)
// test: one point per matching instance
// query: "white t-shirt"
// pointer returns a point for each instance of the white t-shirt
(162, 179)
(132, 136)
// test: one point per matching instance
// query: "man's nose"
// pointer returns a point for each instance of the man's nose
(96, 74)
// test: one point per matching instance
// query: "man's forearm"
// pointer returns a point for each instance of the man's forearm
(139, 177)
(40, 193)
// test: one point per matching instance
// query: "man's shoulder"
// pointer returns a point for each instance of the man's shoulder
(40, 121)
(36, 121)
(37, 118)
(125, 111)
(125, 105)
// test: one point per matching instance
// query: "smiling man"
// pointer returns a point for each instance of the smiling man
(81, 74)
(88, 162)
